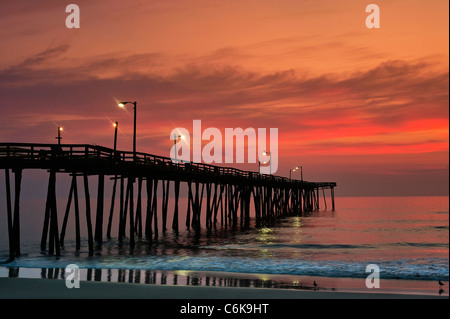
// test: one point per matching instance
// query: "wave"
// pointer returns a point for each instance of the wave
(319, 247)
(422, 269)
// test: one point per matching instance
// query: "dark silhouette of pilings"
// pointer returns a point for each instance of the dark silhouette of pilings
(72, 193)
(175, 213)
(13, 220)
(88, 214)
(229, 194)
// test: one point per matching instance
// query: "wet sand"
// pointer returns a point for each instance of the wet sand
(32, 288)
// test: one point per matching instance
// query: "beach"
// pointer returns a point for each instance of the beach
(287, 287)
(26, 288)
(409, 244)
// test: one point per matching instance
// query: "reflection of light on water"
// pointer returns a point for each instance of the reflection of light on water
(171, 260)
(297, 222)
(264, 235)
(265, 253)
(263, 277)
(183, 272)
(265, 230)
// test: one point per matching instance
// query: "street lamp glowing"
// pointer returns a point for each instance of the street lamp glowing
(116, 127)
(293, 170)
(270, 161)
(59, 138)
(175, 138)
(122, 105)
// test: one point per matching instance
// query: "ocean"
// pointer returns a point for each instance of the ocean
(406, 237)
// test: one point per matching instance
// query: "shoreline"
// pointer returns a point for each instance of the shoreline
(32, 288)
(31, 283)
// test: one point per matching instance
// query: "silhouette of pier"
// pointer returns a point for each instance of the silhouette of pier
(229, 192)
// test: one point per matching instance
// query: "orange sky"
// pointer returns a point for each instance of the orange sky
(367, 108)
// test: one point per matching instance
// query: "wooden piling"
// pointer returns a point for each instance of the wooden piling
(111, 210)
(16, 222)
(121, 207)
(9, 213)
(165, 203)
(208, 206)
(155, 207)
(149, 213)
(225, 213)
(131, 192)
(195, 217)
(99, 216)
(222, 188)
(88, 214)
(332, 198)
(53, 235)
(77, 215)
(138, 220)
(189, 205)
(175, 212)
(123, 221)
(66, 215)
(46, 217)
(215, 204)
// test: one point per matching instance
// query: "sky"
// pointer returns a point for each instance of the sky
(366, 108)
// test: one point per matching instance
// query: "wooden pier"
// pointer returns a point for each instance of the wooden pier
(229, 192)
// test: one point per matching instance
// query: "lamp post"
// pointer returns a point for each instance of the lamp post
(301, 173)
(292, 170)
(122, 104)
(59, 138)
(116, 127)
(270, 161)
(175, 138)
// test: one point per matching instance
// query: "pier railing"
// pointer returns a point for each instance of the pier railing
(40, 153)
(227, 188)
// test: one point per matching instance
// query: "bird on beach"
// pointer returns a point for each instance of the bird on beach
(315, 284)
(440, 284)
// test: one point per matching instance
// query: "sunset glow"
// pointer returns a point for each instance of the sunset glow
(353, 105)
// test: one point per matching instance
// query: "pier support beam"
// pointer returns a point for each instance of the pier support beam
(12, 252)
(175, 212)
(155, 207)
(165, 203)
(324, 198)
(53, 244)
(13, 220)
(111, 211)
(131, 196)
(50, 227)
(88, 214)
(99, 216)
(138, 220)
(73, 193)
(16, 223)
(332, 198)
(149, 212)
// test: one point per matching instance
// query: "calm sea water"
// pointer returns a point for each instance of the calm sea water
(407, 237)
